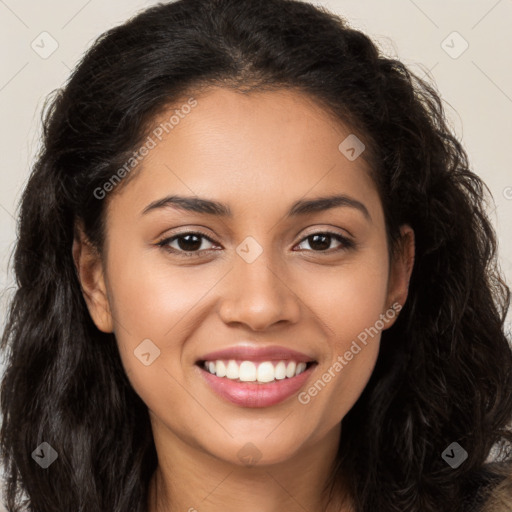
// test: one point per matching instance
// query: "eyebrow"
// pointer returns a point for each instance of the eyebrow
(300, 207)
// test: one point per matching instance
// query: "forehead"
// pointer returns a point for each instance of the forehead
(244, 148)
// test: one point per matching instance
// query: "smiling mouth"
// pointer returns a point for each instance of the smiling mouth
(261, 372)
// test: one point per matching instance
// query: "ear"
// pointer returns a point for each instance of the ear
(400, 273)
(89, 269)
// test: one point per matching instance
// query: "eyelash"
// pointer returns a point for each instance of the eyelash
(164, 244)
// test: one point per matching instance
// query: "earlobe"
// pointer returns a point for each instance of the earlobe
(89, 270)
(401, 271)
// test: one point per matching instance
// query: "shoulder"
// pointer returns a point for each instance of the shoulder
(489, 489)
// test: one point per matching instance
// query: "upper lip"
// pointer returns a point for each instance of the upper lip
(257, 354)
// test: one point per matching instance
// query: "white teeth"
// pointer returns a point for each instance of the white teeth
(280, 371)
(290, 369)
(265, 372)
(248, 371)
(300, 368)
(220, 369)
(232, 371)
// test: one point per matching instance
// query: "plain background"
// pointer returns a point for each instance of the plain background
(475, 83)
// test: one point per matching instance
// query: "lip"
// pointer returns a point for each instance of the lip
(257, 354)
(249, 394)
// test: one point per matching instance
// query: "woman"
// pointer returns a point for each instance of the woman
(254, 270)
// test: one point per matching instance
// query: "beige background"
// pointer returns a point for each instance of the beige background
(476, 85)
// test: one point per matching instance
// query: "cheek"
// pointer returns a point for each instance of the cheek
(347, 298)
(150, 295)
(350, 303)
(153, 301)
(155, 309)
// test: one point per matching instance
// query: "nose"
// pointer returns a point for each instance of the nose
(257, 295)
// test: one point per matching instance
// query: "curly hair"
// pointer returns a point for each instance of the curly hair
(444, 370)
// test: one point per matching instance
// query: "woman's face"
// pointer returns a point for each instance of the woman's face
(262, 280)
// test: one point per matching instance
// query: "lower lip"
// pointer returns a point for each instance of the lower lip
(250, 394)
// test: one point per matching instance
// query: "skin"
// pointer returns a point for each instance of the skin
(257, 153)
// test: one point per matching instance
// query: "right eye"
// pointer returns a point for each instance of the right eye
(186, 244)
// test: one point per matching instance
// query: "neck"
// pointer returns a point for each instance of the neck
(188, 479)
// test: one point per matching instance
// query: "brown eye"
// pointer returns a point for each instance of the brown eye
(185, 243)
(321, 242)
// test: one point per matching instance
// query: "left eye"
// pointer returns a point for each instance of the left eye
(322, 240)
